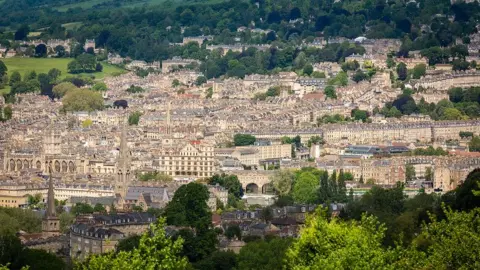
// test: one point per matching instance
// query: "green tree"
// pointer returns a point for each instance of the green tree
(402, 71)
(342, 188)
(81, 208)
(419, 71)
(7, 113)
(267, 214)
(60, 51)
(360, 115)
(99, 208)
(176, 83)
(429, 174)
(134, 118)
(22, 32)
(243, 139)
(233, 231)
(324, 190)
(330, 92)
(337, 244)
(66, 220)
(282, 181)
(135, 89)
(219, 260)
(100, 86)
(359, 76)
(209, 93)
(128, 244)
(230, 182)
(259, 255)
(315, 140)
(453, 114)
(409, 173)
(464, 196)
(273, 91)
(74, 67)
(454, 241)
(200, 80)
(155, 251)
(82, 100)
(30, 75)
(87, 123)
(474, 144)
(318, 75)
(3, 68)
(305, 188)
(61, 89)
(15, 78)
(308, 69)
(188, 206)
(390, 62)
(45, 85)
(54, 74)
(15, 219)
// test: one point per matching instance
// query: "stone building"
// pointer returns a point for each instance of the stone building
(177, 62)
(50, 154)
(97, 234)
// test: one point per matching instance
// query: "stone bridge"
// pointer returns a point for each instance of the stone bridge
(255, 181)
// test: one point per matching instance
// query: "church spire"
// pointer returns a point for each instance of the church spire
(51, 197)
(50, 222)
(123, 164)
(123, 145)
(169, 108)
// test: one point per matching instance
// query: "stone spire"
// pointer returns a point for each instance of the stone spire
(123, 164)
(50, 222)
(51, 197)
(169, 108)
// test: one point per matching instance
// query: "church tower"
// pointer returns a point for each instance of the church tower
(122, 179)
(50, 222)
(52, 142)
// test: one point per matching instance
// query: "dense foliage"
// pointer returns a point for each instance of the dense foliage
(463, 103)
(243, 139)
(155, 251)
(13, 220)
(82, 100)
(145, 33)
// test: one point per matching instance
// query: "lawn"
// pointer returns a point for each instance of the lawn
(43, 65)
(72, 25)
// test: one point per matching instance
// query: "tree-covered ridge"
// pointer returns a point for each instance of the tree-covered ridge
(144, 33)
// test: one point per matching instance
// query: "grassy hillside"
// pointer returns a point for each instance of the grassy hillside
(43, 65)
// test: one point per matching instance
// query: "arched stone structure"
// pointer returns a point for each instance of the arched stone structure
(268, 189)
(251, 188)
(16, 162)
(57, 166)
(12, 165)
(71, 167)
(64, 166)
(259, 178)
(19, 165)
(26, 164)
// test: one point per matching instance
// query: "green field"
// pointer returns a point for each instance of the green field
(72, 25)
(43, 65)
